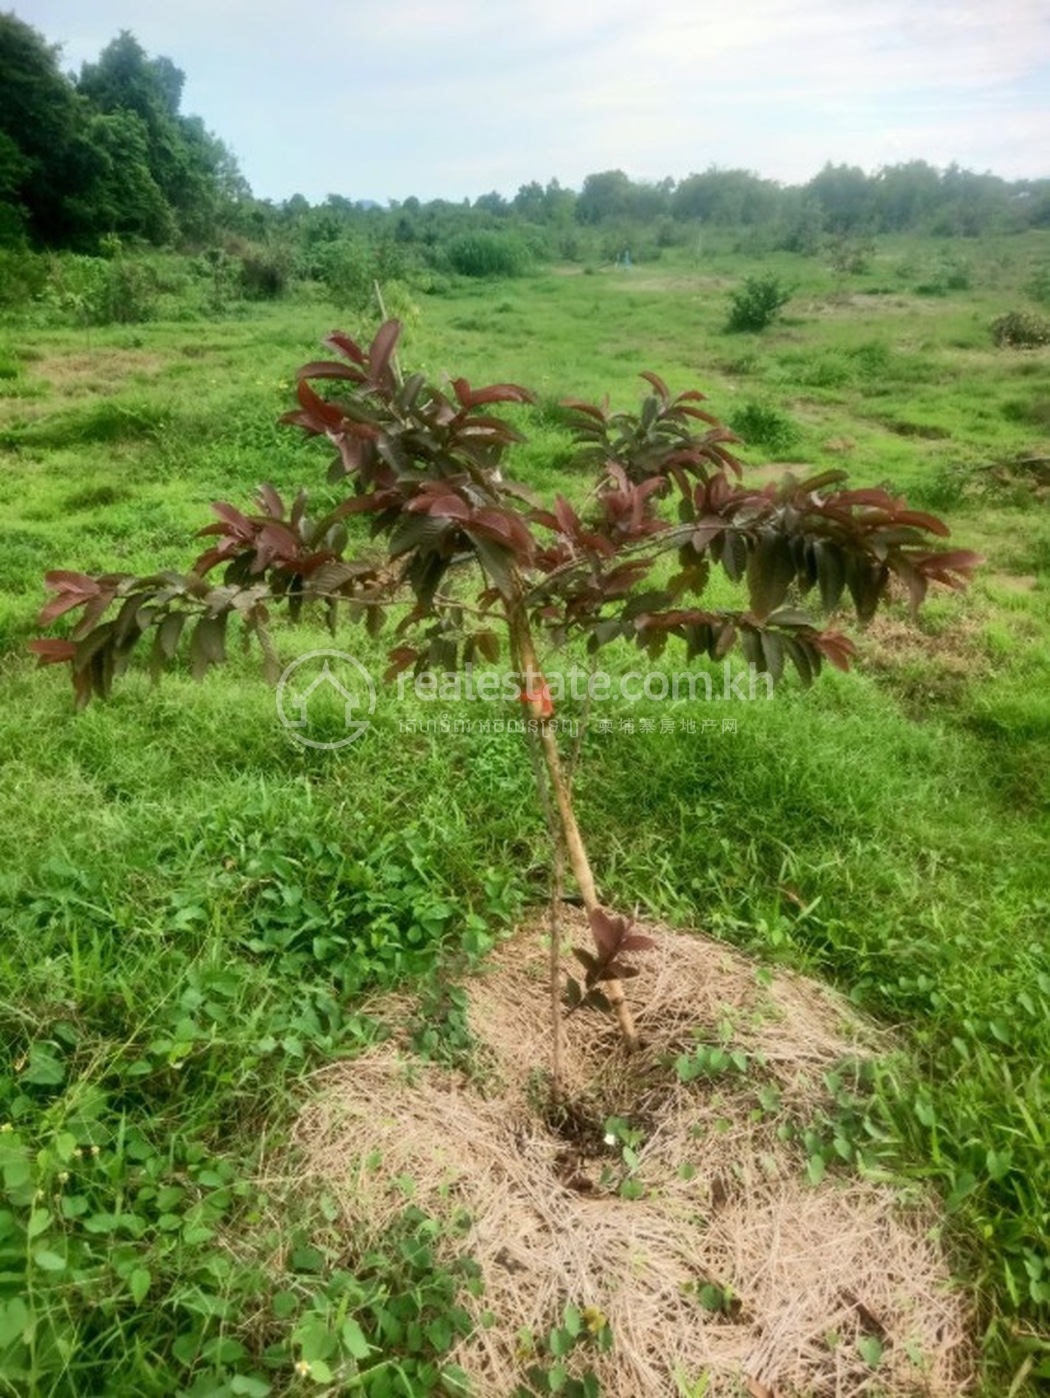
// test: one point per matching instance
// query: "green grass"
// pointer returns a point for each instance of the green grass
(193, 907)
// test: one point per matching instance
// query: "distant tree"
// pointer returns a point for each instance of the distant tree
(905, 196)
(726, 197)
(113, 188)
(559, 204)
(13, 170)
(971, 204)
(38, 118)
(529, 202)
(492, 203)
(603, 197)
(845, 195)
(193, 169)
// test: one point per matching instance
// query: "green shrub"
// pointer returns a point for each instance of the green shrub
(487, 254)
(762, 425)
(952, 275)
(23, 276)
(1021, 330)
(757, 303)
(1039, 286)
(345, 268)
(265, 269)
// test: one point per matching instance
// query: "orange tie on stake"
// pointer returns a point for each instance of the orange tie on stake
(541, 696)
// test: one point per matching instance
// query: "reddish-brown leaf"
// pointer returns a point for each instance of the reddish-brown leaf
(444, 505)
(345, 345)
(657, 383)
(318, 415)
(837, 649)
(52, 652)
(330, 369)
(492, 393)
(382, 351)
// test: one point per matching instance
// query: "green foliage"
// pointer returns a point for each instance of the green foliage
(111, 153)
(133, 1233)
(762, 425)
(38, 119)
(1021, 330)
(758, 303)
(265, 268)
(557, 1361)
(485, 254)
(367, 919)
(944, 277)
(1038, 287)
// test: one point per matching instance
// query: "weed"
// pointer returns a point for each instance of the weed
(764, 426)
(553, 1361)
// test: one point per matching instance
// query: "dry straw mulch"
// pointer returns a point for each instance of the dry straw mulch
(809, 1272)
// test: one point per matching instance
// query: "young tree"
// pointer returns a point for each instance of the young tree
(469, 555)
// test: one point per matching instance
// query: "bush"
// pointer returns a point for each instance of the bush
(953, 275)
(1021, 330)
(757, 303)
(23, 276)
(100, 290)
(762, 425)
(487, 255)
(345, 267)
(265, 269)
(1039, 286)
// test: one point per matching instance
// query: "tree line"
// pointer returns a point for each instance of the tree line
(109, 152)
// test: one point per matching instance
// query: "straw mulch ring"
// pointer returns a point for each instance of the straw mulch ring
(706, 1244)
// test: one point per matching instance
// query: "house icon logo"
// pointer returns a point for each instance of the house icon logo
(332, 687)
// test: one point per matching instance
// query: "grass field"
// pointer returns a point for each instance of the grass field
(192, 906)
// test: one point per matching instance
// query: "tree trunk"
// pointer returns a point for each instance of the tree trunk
(524, 656)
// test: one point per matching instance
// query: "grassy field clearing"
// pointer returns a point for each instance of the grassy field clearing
(192, 905)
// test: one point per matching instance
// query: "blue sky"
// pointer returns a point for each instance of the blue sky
(454, 98)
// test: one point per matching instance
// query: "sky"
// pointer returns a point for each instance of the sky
(454, 98)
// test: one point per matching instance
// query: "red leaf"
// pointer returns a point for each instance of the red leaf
(837, 649)
(817, 482)
(61, 581)
(400, 659)
(962, 561)
(345, 345)
(608, 930)
(568, 521)
(330, 369)
(707, 529)
(657, 383)
(635, 941)
(493, 393)
(58, 606)
(271, 501)
(53, 652)
(382, 351)
(579, 407)
(318, 415)
(444, 506)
